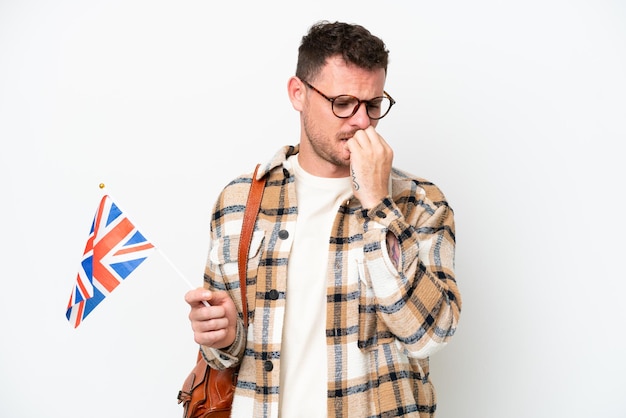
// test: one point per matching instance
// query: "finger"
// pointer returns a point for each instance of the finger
(210, 339)
(379, 145)
(368, 141)
(198, 312)
(204, 313)
(375, 139)
(210, 325)
(198, 295)
(371, 132)
(353, 145)
(218, 297)
(360, 139)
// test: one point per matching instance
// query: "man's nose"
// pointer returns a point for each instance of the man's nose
(361, 118)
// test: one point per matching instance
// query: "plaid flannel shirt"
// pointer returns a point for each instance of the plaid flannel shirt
(382, 322)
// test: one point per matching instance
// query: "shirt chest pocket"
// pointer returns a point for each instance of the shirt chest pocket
(224, 255)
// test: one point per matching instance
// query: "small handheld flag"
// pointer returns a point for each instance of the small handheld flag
(115, 248)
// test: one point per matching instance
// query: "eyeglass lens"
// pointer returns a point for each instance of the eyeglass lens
(345, 106)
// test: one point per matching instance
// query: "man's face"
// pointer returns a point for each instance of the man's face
(323, 140)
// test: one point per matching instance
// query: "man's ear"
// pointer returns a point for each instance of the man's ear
(297, 94)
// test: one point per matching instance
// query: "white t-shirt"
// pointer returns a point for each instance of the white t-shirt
(304, 367)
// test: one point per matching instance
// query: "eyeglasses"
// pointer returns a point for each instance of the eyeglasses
(345, 105)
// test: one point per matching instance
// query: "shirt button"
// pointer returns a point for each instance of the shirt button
(273, 294)
(268, 366)
(381, 214)
(283, 234)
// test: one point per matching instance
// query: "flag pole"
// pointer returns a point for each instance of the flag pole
(180, 273)
(166, 258)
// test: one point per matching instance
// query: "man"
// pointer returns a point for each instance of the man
(351, 268)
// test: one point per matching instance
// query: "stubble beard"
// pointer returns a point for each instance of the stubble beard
(323, 146)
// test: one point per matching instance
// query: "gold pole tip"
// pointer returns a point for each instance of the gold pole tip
(101, 185)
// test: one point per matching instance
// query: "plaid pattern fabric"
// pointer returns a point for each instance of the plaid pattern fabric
(382, 323)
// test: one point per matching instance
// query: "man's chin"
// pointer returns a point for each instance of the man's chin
(342, 161)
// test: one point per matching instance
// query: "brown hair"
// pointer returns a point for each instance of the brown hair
(355, 44)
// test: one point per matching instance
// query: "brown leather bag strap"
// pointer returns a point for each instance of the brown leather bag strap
(247, 228)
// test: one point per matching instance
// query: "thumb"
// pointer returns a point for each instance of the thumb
(218, 297)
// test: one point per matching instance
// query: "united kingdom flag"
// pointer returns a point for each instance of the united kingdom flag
(115, 248)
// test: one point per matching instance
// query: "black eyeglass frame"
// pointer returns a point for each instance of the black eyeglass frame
(358, 105)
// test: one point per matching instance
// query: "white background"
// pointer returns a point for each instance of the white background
(515, 109)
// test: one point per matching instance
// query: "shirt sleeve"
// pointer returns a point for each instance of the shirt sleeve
(229, 356)
(418, 301)
(221, 273)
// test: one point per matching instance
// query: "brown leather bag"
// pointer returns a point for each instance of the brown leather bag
(207, 392)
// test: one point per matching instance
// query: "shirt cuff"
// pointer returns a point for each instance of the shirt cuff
(227, 356)
(382, 214)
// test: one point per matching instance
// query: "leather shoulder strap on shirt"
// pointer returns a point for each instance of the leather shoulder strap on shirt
(247, 228)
